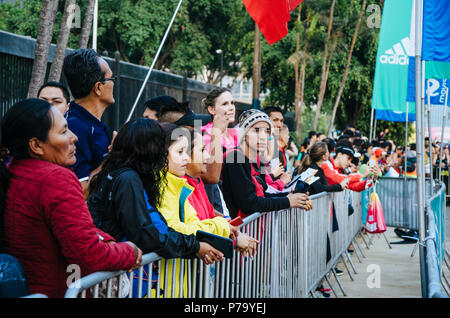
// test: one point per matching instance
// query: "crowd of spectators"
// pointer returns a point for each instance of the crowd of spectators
(72, 192)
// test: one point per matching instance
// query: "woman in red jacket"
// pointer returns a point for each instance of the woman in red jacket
(47, 225)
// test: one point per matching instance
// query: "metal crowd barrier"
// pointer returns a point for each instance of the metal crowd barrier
(435, 243)
(290, 260)
(398, 197)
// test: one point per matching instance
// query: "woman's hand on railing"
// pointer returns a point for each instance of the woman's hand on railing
(234, 232)
(308, 205)
(299, 200)
(137, 256)
(246, 244)
(209, 254)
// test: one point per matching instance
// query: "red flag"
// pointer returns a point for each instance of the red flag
(271, 16)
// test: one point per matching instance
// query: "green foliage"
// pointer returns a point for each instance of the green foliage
(136, 27)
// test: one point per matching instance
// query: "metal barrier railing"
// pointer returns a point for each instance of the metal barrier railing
(435, 243)
(290, 260)
(398, 197)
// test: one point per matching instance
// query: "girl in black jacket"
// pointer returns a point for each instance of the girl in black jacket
(314, 159)
(125, 194)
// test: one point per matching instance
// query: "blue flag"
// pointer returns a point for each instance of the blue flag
(437, 76)
(390, 115)
(436, 30)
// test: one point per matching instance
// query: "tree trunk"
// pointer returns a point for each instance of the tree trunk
(256, 66)
(347, 66)
(42, 48)
(297, 106)
(302, 91)
(63, 38)
(324, 78)
(87, 24)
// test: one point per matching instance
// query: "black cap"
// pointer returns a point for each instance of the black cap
(347, 151)
(190, 118)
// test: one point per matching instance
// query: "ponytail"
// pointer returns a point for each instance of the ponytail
(305, 163)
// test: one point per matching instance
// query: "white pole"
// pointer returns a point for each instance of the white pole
(420, 145)
(430, 148)
(406, 134)
(95, 26)
(153, 63)
(444, 117)
(371, 124)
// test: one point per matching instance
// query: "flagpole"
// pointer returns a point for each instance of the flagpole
(154, 61)
(406, 134)
(374, 129)
(444, 117)
(420, 145)
(371, 124)
(429, 136)
(95, 26)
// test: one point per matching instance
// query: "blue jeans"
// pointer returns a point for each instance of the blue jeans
(12, 278)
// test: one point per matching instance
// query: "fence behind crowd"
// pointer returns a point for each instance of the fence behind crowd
(291, 259)
(398, 197)
(435, 242)
(16, 64)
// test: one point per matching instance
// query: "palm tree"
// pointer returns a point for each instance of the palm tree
(347, 67)
(326, 61)
(87, 24)
(64, 32)
(300, 58)
(42, 48)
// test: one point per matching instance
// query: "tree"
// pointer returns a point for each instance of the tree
(43, 41)
(256, 65)
(87, 24)
(347, 66)
(325, 65)
(296, 63)
(64, 32)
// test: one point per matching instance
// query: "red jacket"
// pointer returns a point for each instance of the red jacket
(334, 176)
(48, 226)
(199, 199)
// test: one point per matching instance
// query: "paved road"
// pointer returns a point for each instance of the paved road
(399, 273)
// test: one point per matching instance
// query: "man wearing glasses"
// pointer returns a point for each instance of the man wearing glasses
(91, 83)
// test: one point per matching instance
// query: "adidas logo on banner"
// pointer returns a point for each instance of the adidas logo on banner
(398, 54)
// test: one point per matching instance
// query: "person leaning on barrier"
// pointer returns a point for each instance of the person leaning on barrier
(175, 205)
(335, 167)
(314, 159)
(199, 199)
(46, 222)
(125, 195)
(243, 191)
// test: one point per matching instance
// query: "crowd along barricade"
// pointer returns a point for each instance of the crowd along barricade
(435, 242)
(398, 198)
(290, 259)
